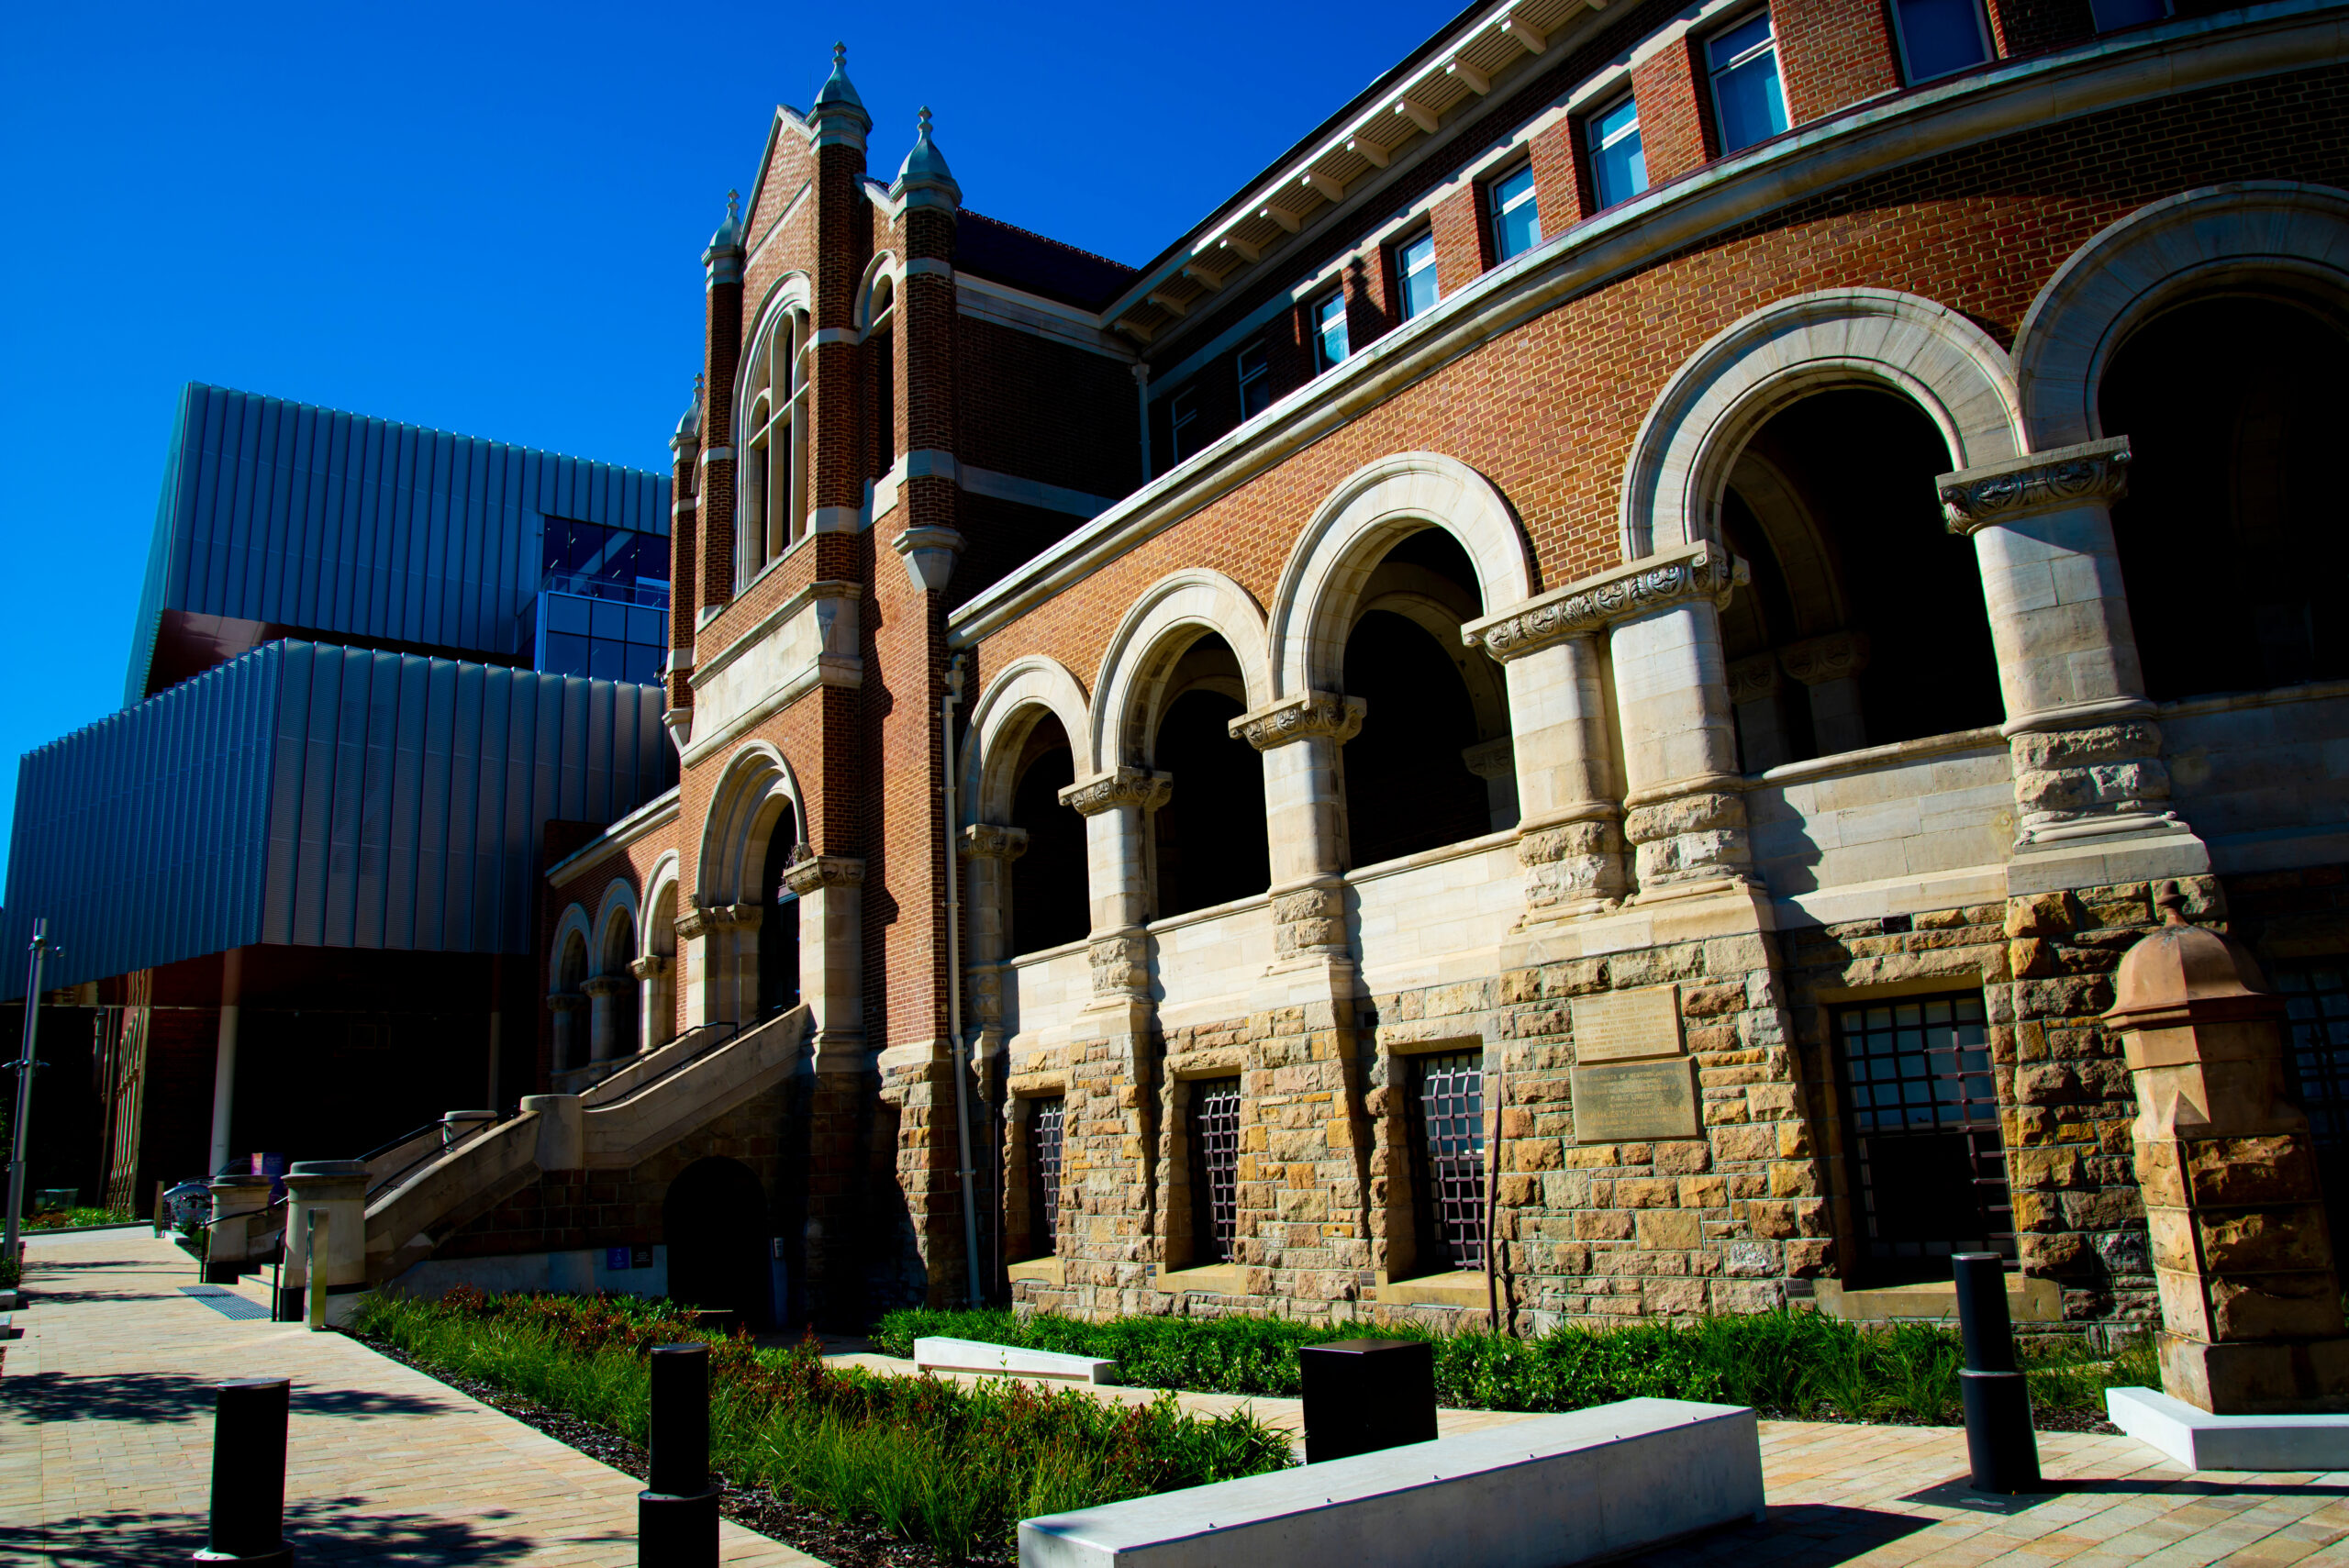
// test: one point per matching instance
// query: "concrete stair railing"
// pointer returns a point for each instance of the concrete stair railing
(621, 1121)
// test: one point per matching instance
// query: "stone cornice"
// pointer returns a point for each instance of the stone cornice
(1702, 571)
(1118, 786)
(823, 870)
(1301, 717)
(2037, 482)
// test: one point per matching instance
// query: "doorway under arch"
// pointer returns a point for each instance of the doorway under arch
(714, 1222)
(1210, 837)
(1049, 904)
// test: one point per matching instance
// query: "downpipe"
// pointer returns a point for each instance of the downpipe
(955, 990)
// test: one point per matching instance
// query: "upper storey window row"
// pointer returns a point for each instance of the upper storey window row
(1749, 104)
(773, 515)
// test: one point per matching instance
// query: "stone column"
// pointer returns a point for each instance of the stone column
(2251, 1298)
(987, 853)
(1304, 815)
(603, 993)
(656, 1007)
(697, 965)
(2086, 754)
(237, 1202)
(1495, 762)
(1830, 666)
(1755, 691)
(565, 1006)
(1117, 806)
(830, 889)
(337, 1188)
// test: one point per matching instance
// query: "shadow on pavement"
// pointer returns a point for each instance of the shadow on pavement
(1803, 1535)
(174, 1397)
(327, 1531)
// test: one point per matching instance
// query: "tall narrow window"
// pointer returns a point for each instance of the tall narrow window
(1929, 1165)
(1329, 328)
(1182, 422)
(1749, 104)
(1415, 276)
(1618, 169)
(1448, 1100)
(2316, 1067)
(769, 517)
(880, 352)
(1256, 368)
(1516, 218)
(1940, 38)
(1215, 1169)
(1044, 1122)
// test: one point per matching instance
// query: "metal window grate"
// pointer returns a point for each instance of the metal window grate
(1449, 1091)
(2316, 1067)
(1045, 1170)
(1215, 1169)
(1929, 1163)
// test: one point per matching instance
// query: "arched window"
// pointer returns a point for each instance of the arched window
(1209, 836)
(773, 509)
(1863, 623)
(2232, 534)
(1048, 901)
(620, 952)
(881, 376)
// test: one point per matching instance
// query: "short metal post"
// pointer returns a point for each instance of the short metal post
(249, 1474)
(1998, 1438)
(676, 1514)
(320, 1241)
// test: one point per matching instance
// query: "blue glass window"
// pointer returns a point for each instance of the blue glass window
(1329, 328)
(1940, 37)
(564, 655)
(1255, 379)
(1618, 166)
(644, 626)
(621, 564)
(1415, 272)
(566, 613)
(1517, 220)
(1182, 422)
(1748, 102)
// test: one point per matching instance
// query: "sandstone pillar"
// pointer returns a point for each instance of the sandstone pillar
(656, 1023)
(1304, 815)
(1495, 762)
(2251, 1299)
(987, 853)
(1830, 666)
(830, 890)
(2090, 787)
(603, 991)
(566, 1006)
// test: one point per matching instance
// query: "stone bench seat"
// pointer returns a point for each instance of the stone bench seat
(1537, 1494)
(938, 1353)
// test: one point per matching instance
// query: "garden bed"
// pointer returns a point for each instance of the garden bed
(839, 1463)
(1796, 1365)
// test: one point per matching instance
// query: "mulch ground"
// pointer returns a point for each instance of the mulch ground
(812, 1530)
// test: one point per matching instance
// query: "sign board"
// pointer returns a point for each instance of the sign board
(1624, 1026)
(1636, 1102)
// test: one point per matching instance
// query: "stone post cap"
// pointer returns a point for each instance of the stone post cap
(240, 1180)
(326, 1168)
(2182, 974)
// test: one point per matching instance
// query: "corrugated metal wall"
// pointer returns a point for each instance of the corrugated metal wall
(301, 517)
(318, 796)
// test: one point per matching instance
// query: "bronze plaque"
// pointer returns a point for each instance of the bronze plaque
(1622, 1026)
(1630, 1102)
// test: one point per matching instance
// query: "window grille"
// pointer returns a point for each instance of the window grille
(1517, 220)
(1044, 1121)
(2316, 1066)
(1449, 1093)
(1215, 1169)
(1929, 1163)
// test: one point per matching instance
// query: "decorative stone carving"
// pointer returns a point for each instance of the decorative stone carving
(984, 989)
(1121, 965)
(1569, 863)
(1494, 758)
(1838, 656)
(930, 554)
(1702, 571)
(566, 1002)
(1689, 838)
(2038, 482)
(693, 923)
(1119, 786)
(823, 870)
(602, 985)
(652, 966)
(1309, 919)
(988, 841)
(1751, 680)
(1301, 717)
(2104, 778)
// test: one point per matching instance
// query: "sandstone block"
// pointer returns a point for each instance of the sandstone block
(1668, 1230)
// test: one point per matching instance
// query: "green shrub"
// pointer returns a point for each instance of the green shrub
(920, 1458)
(1793, 1362)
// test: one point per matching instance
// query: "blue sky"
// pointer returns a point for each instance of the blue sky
(487, 219)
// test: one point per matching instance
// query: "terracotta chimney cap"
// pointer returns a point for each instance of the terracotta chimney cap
(2183, 973)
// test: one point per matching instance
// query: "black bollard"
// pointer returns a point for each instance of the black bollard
(1365, 1395)
(249, 1474)
(1998, 1438)
(676, 1514)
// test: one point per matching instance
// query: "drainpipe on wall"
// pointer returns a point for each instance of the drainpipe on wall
(954, 991)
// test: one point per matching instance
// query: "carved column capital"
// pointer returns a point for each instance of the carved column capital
(603, 985)
(1118, 786)
(823, 870)
(989, 841)
(566, 1002)
(1750, 680)
(1300, 717)
(1834, 657)
(693, 923)
(2025, 486)
(652, 966)
(1494, 759)
(1702, 571)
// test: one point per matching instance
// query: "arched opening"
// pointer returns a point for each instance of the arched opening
(569, 1002)
(1210, 837)
(881, 377)
(772, 514)
(659, 994)
(620, 1006)
(2233, 530)
(1864, 624)
(714, 1221)
(778, 936)
(1431, 765)
(1049, 899)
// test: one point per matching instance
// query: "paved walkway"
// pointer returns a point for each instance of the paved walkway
(105, 1449)
(105, 1437)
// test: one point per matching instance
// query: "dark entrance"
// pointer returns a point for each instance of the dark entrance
(715, 1222)
(778, 928)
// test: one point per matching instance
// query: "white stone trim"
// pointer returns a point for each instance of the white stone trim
(1134, 666)
(1320, 588)
(1000, 720)
(2131, 270)
(754, 776)
(657, 812)
(664, 877)
(574, 923)
(1680, 461)
(983, 299)
(1032, 493)
(619, 899)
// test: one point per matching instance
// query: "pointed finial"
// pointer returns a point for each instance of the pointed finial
(840, 54)
(734, 205)
(924, 175)
(925, 119)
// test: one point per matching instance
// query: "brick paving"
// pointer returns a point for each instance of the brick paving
(105, 1444)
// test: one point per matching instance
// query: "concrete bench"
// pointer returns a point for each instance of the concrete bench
(938, 1353)
(1540, 1493)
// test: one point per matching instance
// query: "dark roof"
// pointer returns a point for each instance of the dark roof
(989, 247)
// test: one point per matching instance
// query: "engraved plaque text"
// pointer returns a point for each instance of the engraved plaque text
(1621, 1026)
(1636, 1101)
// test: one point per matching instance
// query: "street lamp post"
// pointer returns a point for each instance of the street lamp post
(24, 1067)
